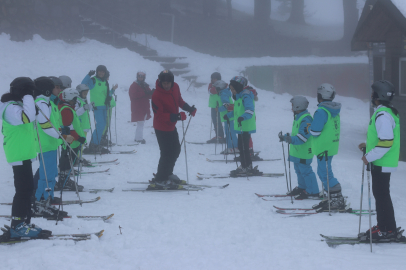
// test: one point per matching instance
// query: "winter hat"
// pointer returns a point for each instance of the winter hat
(216, 75)
(238, 83)
(166, 76)
(101, 68)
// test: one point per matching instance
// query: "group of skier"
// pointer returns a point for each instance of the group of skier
(39, 116)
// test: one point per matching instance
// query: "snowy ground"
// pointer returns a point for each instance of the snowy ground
(210, 229)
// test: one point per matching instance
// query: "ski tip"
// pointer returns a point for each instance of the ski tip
(259, 195)
(99, 234)
(226, 185)
(109, 217)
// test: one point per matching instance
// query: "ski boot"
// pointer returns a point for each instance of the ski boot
(24, 231)
(230, 151)
(237, 171)
(46, 210)
(296, 191)
(164, 185)
(214, 140)
(304, 195)
(253, 171)
(176, 180)
(337, 203)
(94, 149)
(255, 157)
(69, 185)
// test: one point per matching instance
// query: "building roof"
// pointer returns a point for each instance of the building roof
(377, 18)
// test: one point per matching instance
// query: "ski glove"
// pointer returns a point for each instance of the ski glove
(88, 107)
(225, 117)
(82, 140)
(285, 138)
(91, 73)
(192, 111)
(65, 130)
(108, 100)
(178, 116)
(240, 119)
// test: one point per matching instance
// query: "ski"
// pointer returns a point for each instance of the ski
(130, 144)
(96, 190)
(104, 162)
(232, 161)
(310, 209)
(282, 198)
(104, 218)
(122, 152)
(338, 238)
(93, 172)
(314, 211)
(77, 201)
(162, 190)
(5, 239)
(189, 185)
(227, 175)
(333, 241)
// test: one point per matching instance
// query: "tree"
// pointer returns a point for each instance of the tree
(297, 12)
(350, 18)
(262, 10)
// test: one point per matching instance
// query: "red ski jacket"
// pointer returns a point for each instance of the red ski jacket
(140, 96)
(164, 103)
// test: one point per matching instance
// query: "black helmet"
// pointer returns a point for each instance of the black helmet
(101, 68)
(166, 76)
(383, 90)
(45, 85)
(56, 81)
(20, 85)
(216, 75)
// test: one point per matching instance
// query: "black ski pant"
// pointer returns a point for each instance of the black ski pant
(24, 185)
(215, 117)
(385, 214)
(169, 146)
(243, 146)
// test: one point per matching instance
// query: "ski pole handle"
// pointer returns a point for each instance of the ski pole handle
(326, 155)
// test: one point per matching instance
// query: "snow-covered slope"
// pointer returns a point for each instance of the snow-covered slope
(210, 229)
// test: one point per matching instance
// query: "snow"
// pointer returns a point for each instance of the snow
(211, 229)
(401, 6)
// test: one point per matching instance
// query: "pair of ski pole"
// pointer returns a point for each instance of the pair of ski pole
(286, 173)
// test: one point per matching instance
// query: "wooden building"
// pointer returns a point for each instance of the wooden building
(381, 31)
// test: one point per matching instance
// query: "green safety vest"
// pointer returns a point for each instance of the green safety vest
(214, 101)
(112, 102)
(99, 92)
(84, 118)
(302, 151)
(391, 158)
(49, 143)
(20, 142)
(329, 138)
(76, 126)
(247, 125)
(225, 112)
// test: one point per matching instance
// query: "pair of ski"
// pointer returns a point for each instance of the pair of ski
(202, 176)
(277, 197)
(295, 212)
(68, 202)
(186, 187)
(92, 172)
(6, 240)
(103, 218)
(333, 241)
(115, 152)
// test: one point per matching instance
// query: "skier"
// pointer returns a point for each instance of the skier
(82, 109)
(110, 104)
(214, 104)
(140, 94)
(99, 95)
(244, 123)
(254, 157)
(227, 105)
(382, 151)
(300, 152)
(166, 101)
(56, 91)
(325, 130)
(66, 81)
(20, 144)
(70, 126)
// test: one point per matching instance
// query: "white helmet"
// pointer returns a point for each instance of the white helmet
(299, 103)
(69, 94)
(66, 81)
(326, 91)
(82, 87)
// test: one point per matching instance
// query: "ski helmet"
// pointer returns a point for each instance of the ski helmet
(101, 68)
(383, 90)
(141, 74)
(220, 85)
(166, 76)
(82, 87)
(20, 85)
(326, 92)
(66, 81)
(56, 81)
(69, 94)
(299, 103)
(238, 82)
(45, 85)
(216, 75)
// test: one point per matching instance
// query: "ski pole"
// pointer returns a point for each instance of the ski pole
(48, 189)
(290, 178)
(187, 127)
(369, 203)
(91, 131)
(362, 191)
(211, 125)
(97, 135)
(243, 150)
(328, 182)
(187, 171)
(225, 152)
(217, 131)
(284, 161)
(115, 117)
(232, 143)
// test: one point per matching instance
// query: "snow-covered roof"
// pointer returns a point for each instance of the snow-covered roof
(401, 6)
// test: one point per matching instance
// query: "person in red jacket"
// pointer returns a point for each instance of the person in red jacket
(140, 94)
(166, 101)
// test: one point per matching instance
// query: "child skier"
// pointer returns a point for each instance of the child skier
(244, 123)
(214, 104)
(20, 144)
(382, 151)
(300, 152)
(227, 102)
(325, 130)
